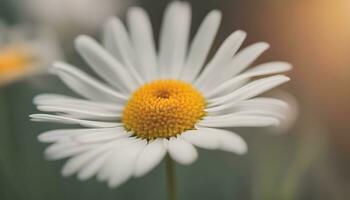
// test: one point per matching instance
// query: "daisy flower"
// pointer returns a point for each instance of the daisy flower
(25, 52)
(148, 103)
(66, 16)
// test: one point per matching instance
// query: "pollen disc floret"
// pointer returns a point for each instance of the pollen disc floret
(133, 117)
(162, 109)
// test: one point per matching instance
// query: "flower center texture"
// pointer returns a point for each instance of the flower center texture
(163, 108)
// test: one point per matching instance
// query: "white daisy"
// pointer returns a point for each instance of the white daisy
(67, 16)
(150, 104)
(25, 51)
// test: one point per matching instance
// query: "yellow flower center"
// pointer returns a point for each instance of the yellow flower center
(162, 109)
(12, 62)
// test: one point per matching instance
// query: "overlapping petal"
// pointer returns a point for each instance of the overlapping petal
(127, 60)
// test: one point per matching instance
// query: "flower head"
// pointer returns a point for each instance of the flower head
(23, 53)
(66, 17)
(149, 104)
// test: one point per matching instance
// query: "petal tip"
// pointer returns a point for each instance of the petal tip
(241, 33)
(82, 39)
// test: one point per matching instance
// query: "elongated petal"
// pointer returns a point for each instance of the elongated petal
(257, 108)
(228, 141)
(71, 102)
(203, 138)
(92, 168)
(150, 157)
(244, 58)
(235, 120)
(142, 38)
(267, 101)
(126, 163)
(224, 54)
(66, 149)
(85, 85)
(108, 42)
(182, 151)
(99, 136)
(68, 120)
(105, 65)
(239, 62)
(82, 113)
(126, 49)
(74, 164)
(200, 46)
(248, 91)
(260, 105)
(260, 70)
(69, 134)
(108, 168)
(174, 38)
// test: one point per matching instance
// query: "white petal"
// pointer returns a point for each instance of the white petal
(142, 37)
(270, 108)
(105, 65)
(102, 136)
(260, 70)
(261, 111)
(227, 49)
(71, 102)
(266, 101)
(108, 169)
(125, 48)
(101, 163)
(82, 113)
(202, 138)
(239, 62)
(150, 157)
(108, 41)
(75, 163)
(85, 85)
(56, 135)
(269, 68)
(228, 140)
(126, 164)
(235, 120)
(244, 58)
(261, 102)
(250, 90)
(257, 106)
(92, 168)
(66, 149)
(200, 46)
(68, 120)
(68, 134)
(174, 38)
(182, 151)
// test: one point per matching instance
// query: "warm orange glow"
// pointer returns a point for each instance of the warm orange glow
(12, 62)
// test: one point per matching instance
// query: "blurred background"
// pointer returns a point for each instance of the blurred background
(310, 160)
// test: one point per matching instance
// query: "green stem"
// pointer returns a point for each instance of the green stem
(171, 179)
(6, 140)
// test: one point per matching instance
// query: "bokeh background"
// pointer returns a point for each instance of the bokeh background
(309, 161)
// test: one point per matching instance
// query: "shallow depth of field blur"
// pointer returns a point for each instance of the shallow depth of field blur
(309, 161)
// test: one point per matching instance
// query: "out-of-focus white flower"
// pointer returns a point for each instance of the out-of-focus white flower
(72, 15)
(24, 51)
(150, 103)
